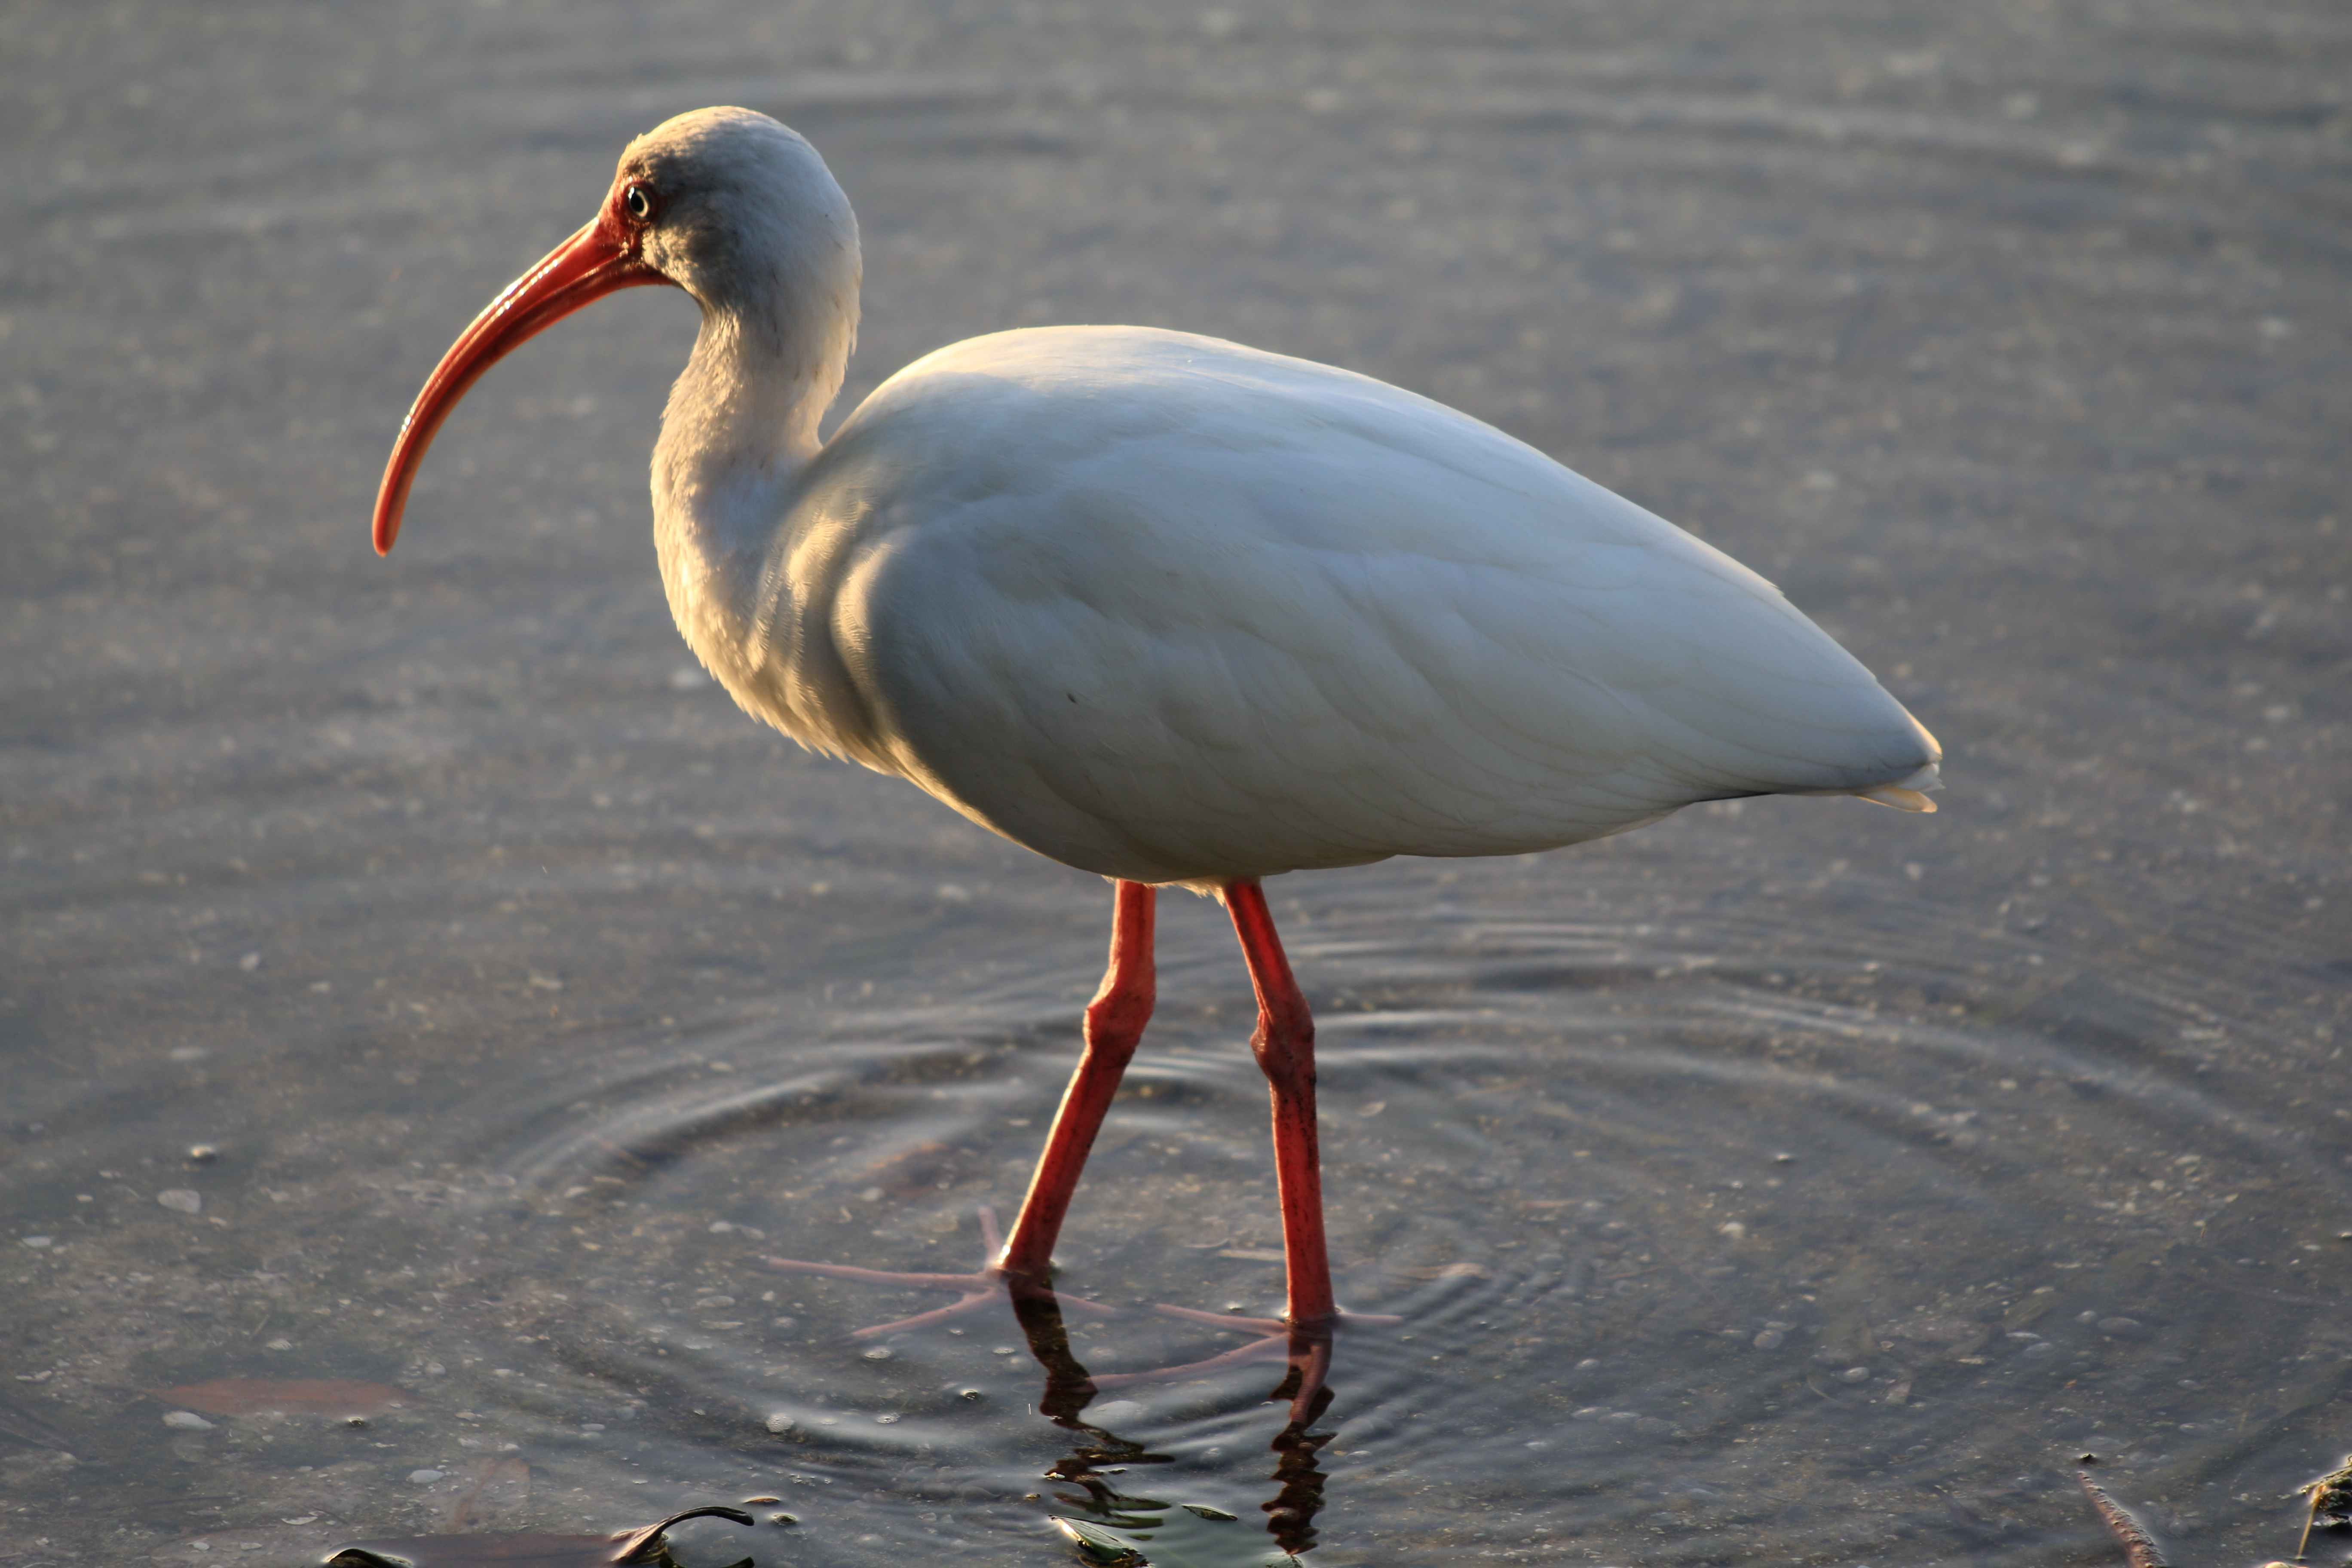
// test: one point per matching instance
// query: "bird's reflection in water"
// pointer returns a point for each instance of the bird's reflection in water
(1298, 1478)
(1096, 1465)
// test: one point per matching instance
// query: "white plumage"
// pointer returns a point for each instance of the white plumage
(1163, 607)
(1168, 609)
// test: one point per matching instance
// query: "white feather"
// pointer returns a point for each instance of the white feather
(1174, 610)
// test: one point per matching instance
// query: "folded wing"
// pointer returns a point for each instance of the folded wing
(1275, 616)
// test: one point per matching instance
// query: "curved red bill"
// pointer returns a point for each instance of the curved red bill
(591, 264)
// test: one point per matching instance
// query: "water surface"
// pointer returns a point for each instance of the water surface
(1792, 1180)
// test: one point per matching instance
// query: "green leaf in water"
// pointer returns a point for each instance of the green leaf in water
(1096, 1544)
(1194, 1536)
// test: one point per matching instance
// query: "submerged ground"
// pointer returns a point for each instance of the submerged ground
(425, 999)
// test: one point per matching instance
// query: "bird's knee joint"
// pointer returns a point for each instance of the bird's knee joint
(1286, 1055)
(1116, 1022)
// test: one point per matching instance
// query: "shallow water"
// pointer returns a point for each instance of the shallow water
(1791, 1179)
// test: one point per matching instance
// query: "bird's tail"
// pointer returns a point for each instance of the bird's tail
(1909, 794)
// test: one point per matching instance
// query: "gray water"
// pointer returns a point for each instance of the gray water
(1789, 1182)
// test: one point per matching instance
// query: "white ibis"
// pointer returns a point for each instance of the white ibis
(1168, 609)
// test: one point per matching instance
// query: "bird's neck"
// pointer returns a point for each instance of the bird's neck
(741, 425)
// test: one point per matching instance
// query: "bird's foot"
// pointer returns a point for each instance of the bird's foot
(988, 1283)
(1272, 1328)
(1307, 1346)
(972, 1291)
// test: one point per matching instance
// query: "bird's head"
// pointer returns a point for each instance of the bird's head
(726, 203)
(737, 210)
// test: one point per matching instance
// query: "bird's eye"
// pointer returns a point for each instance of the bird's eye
(639, 201)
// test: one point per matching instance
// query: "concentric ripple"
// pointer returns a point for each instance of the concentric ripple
(1690, 1227)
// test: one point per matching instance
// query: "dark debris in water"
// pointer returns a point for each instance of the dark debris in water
(2139, 1547)
(620, 1548)
(2330, 1497)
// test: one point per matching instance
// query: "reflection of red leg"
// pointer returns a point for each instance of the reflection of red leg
(1285, 1046)
(1115, 1021)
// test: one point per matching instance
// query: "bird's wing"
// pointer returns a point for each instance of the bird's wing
(1170, 609)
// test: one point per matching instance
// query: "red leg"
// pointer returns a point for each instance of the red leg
(1115, 1021)
(1284, 1046)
